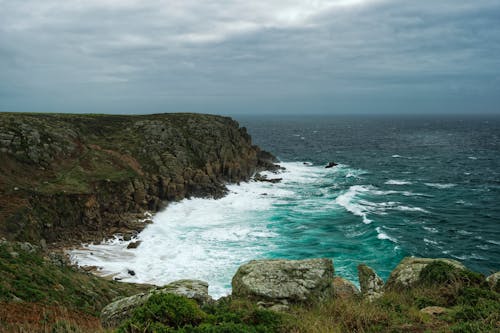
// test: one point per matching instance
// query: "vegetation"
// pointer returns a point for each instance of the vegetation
(171, 313)
(41, 293)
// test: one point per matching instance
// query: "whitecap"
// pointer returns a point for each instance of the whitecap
(348, 201)
(430, 241)
(430, 229)
(411, 209)
(440, 186)
(472, 158)
(382, 235)
(397, 182)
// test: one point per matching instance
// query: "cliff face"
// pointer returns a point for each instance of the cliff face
(71, 178)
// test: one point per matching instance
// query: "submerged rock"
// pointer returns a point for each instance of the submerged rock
(115, 313)
(407, 273)
(372, 286)
(343, 288)
(284, 281)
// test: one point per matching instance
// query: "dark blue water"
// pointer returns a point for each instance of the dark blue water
(406, 186)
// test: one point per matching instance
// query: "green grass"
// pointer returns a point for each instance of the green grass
(29, 277)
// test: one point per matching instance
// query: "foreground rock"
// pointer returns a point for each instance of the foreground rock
(281, 282)
(494, 281)
(115, 313)
(372, 286)
(343, 288)
(407, 273)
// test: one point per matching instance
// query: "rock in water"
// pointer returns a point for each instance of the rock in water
(343, 288)
(371, 284)
(331, 165)
(280, 281)
(407, 272)
(115, 313)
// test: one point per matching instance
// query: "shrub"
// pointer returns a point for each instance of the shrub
(162, 312)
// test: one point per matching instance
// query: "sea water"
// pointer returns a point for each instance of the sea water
(404, 186)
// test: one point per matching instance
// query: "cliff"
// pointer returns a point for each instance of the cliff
(69, 178)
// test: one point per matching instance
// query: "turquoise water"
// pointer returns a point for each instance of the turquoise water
(404, 186)
(431, 185)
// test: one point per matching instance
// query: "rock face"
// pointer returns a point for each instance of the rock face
(371, 284)
(115, 313)
(84, 177)
(494, 281)
(407, 273)
(343, 288)
(275, 282)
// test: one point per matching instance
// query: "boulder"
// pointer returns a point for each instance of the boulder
(115, 313)
(343, 288)
(370, 283)
(434, 310)
(407, 273)
(279, 281)
(494, 281)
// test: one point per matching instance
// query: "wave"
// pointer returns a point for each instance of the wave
(397, 182)
(347, 200)
(440, 186)
(382, 235)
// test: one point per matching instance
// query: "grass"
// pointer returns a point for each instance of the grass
(34, 291)
(38, 296)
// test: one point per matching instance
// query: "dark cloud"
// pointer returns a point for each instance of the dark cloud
(323, 56)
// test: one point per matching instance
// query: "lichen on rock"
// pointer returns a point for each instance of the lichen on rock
(278, 281)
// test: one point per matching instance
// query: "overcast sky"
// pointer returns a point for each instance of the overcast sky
(246, 57)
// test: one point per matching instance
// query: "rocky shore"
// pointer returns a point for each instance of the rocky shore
(279, 285)
(67, 179)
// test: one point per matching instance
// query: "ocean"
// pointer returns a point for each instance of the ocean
(404, 186)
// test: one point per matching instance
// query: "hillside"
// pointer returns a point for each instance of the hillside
(68, 178)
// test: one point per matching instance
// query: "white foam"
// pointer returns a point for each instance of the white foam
(430, 229)
(347, 200)
(397, 182)
(411, 209)
(430, 241)
(440, 186)
(382, 235)
(202, 238)
(472, 158)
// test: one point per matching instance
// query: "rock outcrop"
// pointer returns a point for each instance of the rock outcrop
(407, 273)
(115, 313)
(343, 288)
(494, 281)
(281, 282)
(79, 178)
(370, 283)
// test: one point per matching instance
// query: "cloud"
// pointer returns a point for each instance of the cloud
(219, 56)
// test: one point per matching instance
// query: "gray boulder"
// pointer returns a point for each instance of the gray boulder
(115, 313)
(372, 286)
(407, 273)
(494, 281)
(343, 288)
(272, 282)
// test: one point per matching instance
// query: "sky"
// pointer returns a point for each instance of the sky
(250, 57)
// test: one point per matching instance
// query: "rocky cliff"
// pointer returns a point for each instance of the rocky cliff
(71, 178)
